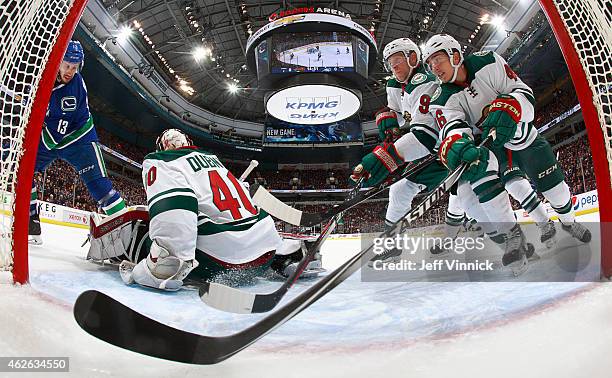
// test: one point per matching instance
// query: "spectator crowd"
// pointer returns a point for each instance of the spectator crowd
(61, 185)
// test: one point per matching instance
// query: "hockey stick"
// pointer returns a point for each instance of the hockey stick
(109, 320)
(252, 165)
(22, 99)
(226, 298)
(286, 213)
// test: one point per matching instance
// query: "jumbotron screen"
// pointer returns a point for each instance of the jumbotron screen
(346, 131)
(312, 52)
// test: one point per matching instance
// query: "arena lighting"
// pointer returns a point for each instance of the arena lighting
(200, 53)
(185, 87)
(124, 34)
(233, 88)
(484, 18)
(498, 22)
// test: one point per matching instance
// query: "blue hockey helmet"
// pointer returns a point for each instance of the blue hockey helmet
(74, 53)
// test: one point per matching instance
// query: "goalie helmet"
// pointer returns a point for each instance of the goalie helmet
(172, 139)
(446, 43)
(74, 53)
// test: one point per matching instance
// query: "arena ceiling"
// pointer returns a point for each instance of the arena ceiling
(169, 32)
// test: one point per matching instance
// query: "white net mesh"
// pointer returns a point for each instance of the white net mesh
(589, 24)
(28, 32)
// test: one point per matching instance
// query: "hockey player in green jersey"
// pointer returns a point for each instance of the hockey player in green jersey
(480, 93)
(409, 96)
(202, 223)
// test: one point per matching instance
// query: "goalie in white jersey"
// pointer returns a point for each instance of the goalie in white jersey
(201, 219)
(480, 93)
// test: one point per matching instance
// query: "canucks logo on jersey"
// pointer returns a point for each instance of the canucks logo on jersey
(69, 103)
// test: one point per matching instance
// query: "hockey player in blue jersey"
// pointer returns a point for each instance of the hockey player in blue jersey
(68, 133)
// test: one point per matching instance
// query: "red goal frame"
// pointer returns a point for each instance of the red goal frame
(591, 120)
(25, 170)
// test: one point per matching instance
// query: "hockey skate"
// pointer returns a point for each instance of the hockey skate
(34, 232)
(515, 254)
(285, 265)
(547, 234)
(472, 226)
(387, 256)
(438, 251)
(577, 231)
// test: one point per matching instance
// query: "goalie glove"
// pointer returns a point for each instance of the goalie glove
(288, 255)
(503, 116)
(377, 165)
(388, 127)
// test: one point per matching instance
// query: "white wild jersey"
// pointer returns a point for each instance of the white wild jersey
(410, 102)
(461, 109)
(195, 202)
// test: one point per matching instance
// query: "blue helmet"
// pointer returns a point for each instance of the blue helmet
(74, 52)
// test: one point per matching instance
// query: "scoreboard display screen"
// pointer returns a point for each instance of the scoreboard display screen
(280, 132)
(312, 52)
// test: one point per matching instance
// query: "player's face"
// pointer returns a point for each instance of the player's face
(399, 66)
(439, 64)
(67, 71)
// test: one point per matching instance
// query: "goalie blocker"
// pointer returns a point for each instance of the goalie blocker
(124, 239)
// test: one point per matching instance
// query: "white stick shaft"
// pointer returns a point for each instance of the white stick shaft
(247, 171)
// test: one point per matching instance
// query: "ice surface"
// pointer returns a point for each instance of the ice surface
(360, 329)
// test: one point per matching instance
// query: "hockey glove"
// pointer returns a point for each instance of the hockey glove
(377, 165)
(504, 115)
(456, 149)
(478, 168)
(388, 127)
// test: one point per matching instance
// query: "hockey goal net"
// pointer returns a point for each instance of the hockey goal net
(33, 38)
(584, 32)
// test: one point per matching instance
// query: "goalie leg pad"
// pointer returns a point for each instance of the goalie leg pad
(117, 237)
(159, 270)
(116, 244)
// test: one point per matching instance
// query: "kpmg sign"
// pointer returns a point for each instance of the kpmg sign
(313, 104)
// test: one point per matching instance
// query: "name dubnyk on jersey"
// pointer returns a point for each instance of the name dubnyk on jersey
(195, 202)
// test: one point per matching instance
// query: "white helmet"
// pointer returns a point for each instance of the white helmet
(443, 42)
(404, 45)
(172, 139)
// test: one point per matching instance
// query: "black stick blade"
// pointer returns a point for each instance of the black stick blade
(111, 321)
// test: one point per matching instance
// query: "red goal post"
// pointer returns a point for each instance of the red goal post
(584, 32)
(33, 38)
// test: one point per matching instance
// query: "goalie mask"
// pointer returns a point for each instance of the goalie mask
(172, 139)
